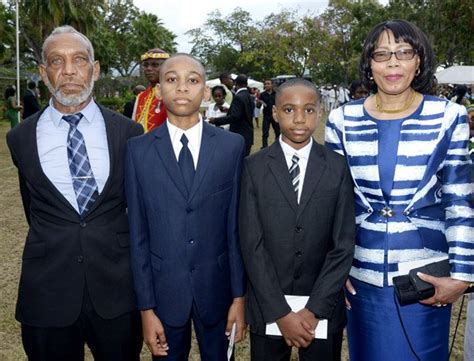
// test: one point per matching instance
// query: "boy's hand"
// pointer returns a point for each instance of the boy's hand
(154, 333)
(236, 315)
(294, 329)
(310, 318)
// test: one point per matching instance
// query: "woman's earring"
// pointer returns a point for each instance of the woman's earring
(418, 71)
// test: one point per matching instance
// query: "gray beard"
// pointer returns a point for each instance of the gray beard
(71, 100)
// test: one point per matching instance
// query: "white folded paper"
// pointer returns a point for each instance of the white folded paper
(405, 267)
(230, 348)
(298, 303)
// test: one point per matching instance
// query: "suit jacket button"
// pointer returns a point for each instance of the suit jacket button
(192, 270)
(298, 253)
(298, 229)
(80, 259)
(83, 224)
(189, 209)
(191, 241)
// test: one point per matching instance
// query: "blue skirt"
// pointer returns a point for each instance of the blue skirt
(375, 331)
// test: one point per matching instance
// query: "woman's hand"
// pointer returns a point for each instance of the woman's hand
(447, 289)
(351, 290)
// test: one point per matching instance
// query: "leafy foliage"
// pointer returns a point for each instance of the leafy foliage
(327, 46)
(119, 32)
(7, 34)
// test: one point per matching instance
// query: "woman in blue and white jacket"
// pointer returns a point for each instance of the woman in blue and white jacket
(408, 156)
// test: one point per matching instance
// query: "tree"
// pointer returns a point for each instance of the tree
(448, 24)
(222, 41)
(289, 44)
(7, 35)
(119, 32)
(347, 23)
(125, 33)
(39, 18)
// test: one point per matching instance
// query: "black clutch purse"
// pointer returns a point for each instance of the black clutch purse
(411, 288)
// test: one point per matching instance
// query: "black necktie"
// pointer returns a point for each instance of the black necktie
(186, 164)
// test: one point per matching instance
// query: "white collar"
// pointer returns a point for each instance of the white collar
(88, 112)
(193, 134)
(302, 153)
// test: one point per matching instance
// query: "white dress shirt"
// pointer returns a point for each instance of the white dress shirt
(194, 135)
(303, 155)
(51, 135)
(214, 112)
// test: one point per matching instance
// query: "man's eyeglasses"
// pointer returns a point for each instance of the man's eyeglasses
(402, 54)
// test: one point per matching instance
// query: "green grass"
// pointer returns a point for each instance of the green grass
(13, 230)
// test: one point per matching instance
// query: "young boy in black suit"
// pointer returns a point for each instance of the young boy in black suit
(296, 222)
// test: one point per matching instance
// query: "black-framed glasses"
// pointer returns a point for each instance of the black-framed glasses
(402, 54)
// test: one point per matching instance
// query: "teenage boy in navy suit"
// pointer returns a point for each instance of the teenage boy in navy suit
(182, 187)
(296, 223)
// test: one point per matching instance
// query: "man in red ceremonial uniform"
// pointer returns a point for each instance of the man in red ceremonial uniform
(149, 111)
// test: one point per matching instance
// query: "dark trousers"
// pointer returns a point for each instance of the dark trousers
(266, 130)
(264, 348)
(212, 340)
(116, 339)
(248, 148)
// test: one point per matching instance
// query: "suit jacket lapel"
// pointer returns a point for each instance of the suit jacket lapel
(31, 147)
(205, 155)
(314, 172)
(279, 169)
(165, 151)
(113, 139)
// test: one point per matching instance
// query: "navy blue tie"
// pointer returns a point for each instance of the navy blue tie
(83, 179)
(186, 164)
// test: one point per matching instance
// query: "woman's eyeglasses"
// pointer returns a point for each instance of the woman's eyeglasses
(402, 54)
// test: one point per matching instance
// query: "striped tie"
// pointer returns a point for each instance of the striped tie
(295, 173)
(83, 179)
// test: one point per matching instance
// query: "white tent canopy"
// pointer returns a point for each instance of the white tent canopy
(251, 82)
(459, 74)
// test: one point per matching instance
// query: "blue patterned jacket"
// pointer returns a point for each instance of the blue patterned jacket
(430, 213)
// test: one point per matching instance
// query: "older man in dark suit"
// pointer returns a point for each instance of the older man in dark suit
(76, 283)
(240, 113)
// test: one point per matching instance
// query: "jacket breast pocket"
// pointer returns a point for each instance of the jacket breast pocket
(155, 262)
(222, 187)
(123, 239)
(34, 250)
(223, 260)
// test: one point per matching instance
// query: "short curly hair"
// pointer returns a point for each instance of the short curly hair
(402, 31)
